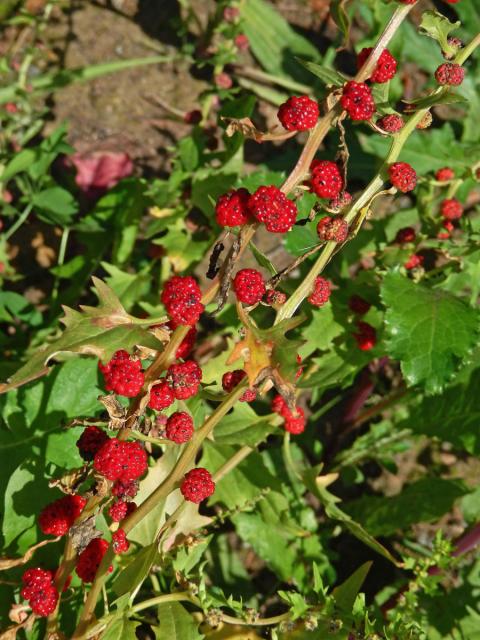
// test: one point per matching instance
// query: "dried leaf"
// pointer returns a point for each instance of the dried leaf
(83, 533)
(246, 127)
(9, 563)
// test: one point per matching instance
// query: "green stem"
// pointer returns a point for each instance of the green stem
(23, 216)
(61, 259)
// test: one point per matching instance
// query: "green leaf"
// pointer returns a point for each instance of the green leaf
(437, 26)
(297, 603)
(346, 592)
(453, 416)
(208, 186)
(243, 426)
(301, 238)
(56, 205)
(262, 259)
(273, 41)
(326, 75)
(444, 97)
(341, 18)
(122, 628)
(175, 623)
(321, 331)
(93, 331)
(423, 501)
(430, 331)
(132, 576)
(129, 287)
(19, 163)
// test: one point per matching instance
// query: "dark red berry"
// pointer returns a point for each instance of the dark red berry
(119, 510)
(242, 42)
(120, 460)
(57, 517)
(402, 176)
(125, 489)
(294, 421)
(326, 180)
(444, 174)
(197, 485)
(123, 374)
(451, 209)
(366, 336)
(232, 209)
(193, 117)
(274, 297)
(405, 235)
(272, 207)
(386, 66)
(184, 379)
(161, 396)
(179, 427)
(298, 113)
(182, 297)
(450, 73)
(249, 286)
(91, 440)
(119, 541)
(357, 100)
(339, 203)
(90, 558)
(231, 379)
(39, 590)
(358, 305)
(391, 123)
(332, 229)
(321, 292)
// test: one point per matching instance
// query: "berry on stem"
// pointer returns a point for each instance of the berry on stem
(184, 379)
(161, 396)
(57, 517)
(451, 209)
(326, 180)
(182, 297)
(197, 485)
(358, 305)
(123, 374)
(274, 297)
(391, 123)
(231, 379)
(357, 100)
(90, 558)
(120, 509)
(179, 427)
(402, 176)
(298, 113)
(39, 590)
(91, 440)
(119, 541)
(294, 422)
(125, 489)
(249, 286)
(342, 201)
(405, 235)
(444, 174)
(414, 261)
(386, 65)
(332, 229)
(450, 73)
(366, 336)
(232, 209)
(321, 292)
(120, 460)
(272, 207)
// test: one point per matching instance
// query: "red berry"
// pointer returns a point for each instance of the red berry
(223, 81)
(342, 201)
(179, 427)
(182, 297)
(391, 123)
(386, 66)
(197, 485)
(405, 235)
(44, 601)
(184, 379)
(35, 580)
(193, 117)
(294, 422)
(450, 73)
(448, 226)
(249, 286)
(456, 44)
(358, 305)
(274, 297)
(90, 558)
(272, 207)
(119, 541)
(444, 174)
(366, 337)
(321, 292)
(402, 176)
(231, 379)
(187, 344)
(242, 42)
(298, 113)
(119, 510)
(123, 374)
(451, 209)
(57, 517)
(125, 489)
(326, 179)
(161, 396)
(332, 229)
(357, 100)
(414, 261)
(120, 460)
(232, 209)
(91, 440)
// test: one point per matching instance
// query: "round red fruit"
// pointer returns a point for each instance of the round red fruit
(450, 73)
(357, 100)
(161, 396)
(272, 207)
(184, 379)
(298, 113)
(451, 209)
(402, 176)
(57, 517)
(197, 485)
(386, 65)
(182, 297)
(321, 292)
(249, 286)
(332, 229)
(391, 123)
(179, 427)
(232, 209)
(326, 180)
(91, 440)
(120, 460)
